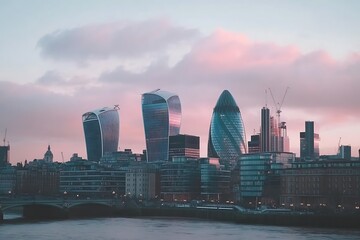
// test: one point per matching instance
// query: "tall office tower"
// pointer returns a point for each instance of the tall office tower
(265, 131)
(274, 135)
(162, 118)
(4, 155)
(101, 129)
(227, 132)
(309, 142)
(185, 146)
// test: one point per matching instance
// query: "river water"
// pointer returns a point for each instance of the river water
(160, 229)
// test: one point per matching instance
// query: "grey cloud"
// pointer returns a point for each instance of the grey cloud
(117, 39)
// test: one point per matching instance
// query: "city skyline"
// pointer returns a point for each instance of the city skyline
(60, 59)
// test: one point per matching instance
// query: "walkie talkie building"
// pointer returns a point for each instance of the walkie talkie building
(162, 118)
(101, 129)
(227, 132)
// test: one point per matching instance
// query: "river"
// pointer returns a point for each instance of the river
(160, 229)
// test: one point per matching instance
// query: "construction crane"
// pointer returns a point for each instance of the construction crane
(338, 147)
(278, 105)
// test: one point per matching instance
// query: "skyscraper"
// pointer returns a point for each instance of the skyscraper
(101, 129)
(162, 118)
(309, 142)
(227, 133)
(265, 132)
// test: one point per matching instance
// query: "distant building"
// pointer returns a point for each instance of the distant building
(180, 179)
(214, 181)
(254, 144)
(4, 155)
(184, 145)
(37, 178)
(345, 152)
(142, 181)
(118, 158)
(260, 177)
(48, 156)
(326, 184)
(7, 180)
(101, 129)
(162, 118)
(265, 132)
(82, 179)
(227, 139)
(309, 143)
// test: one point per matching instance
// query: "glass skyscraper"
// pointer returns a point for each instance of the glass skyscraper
(101, 129)
(162, 118)
(227, 132)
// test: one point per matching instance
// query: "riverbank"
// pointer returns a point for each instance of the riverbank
(217, 214)
(278, 219)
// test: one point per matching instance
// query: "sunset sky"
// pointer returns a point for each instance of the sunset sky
(60, 59)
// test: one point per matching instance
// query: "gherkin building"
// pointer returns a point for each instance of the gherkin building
(227, 132)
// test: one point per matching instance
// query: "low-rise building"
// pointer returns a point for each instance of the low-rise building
(214, 181)
(142, 181)
(180, 179)
(81, 178)
(322, 184)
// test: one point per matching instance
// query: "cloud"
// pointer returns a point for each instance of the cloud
(118, 39)
(54, 81)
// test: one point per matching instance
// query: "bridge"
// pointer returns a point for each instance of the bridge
(60, 207)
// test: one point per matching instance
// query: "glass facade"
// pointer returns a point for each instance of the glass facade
(180, 179)
(184, 145)
(85, 178)
(214, 180)
(309, 142)
(260, 174)
(101, 129)
(227, 132)
(162, 118)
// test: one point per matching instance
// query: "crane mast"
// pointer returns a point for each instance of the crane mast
(280, 125)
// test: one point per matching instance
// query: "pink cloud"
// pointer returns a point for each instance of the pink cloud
(224, 50)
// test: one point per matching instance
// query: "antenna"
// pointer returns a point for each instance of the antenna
(4, 140)
(266, 98)
(62, 156)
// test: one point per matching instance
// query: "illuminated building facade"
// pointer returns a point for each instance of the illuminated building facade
(227, 132)
(162, 118)
(101, 129)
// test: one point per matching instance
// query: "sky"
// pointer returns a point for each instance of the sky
(60, 59)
